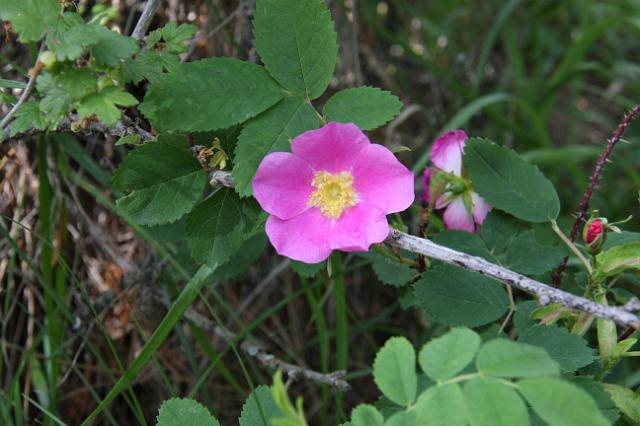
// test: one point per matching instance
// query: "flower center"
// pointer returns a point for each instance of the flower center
(333, 194)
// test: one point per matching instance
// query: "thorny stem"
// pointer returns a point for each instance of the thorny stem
(595, 178)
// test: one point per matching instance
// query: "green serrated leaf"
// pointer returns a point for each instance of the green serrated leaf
(390, 271)
(394, 371)
(454, 296)
(560, 403)
(28, 116)
(31, 19)
(569, 350)
(217, 227)
(441, 405)
(509, 183)
(527, 256)
(179, 412)
(271, 131)
(297, 43)
(76, 82)
(599, 394)
(70, 43)
(366, 107)
(499, 230)
(366, 415)
(504, 358)
(447, 355)
(104, 104)
(491, 402)
(260, 403)
(164, 180)
(209, 94)
(626, 400)
(175, 36)
(146, 66)
(56, 102)
(111, 48)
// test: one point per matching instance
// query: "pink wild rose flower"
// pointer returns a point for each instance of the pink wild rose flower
(332, 192)
(463, 208)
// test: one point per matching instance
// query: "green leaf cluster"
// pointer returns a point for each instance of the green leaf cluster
(499, 382)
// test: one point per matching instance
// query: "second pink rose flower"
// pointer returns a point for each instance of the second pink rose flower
(463, 208)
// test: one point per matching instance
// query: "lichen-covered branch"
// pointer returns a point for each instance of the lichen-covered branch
(545, 293)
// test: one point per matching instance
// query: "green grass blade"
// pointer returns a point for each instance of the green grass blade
(184, 300)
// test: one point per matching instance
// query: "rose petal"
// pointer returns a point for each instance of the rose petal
(457, 217)
(383, 181)
(480, 208)
(332, 148)
(304, 237)
(446, 153)
(282, 184)
(359, 227)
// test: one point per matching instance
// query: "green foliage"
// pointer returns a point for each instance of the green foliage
(178, 411)
(569, 350)
(617, 260)
(626, 400)
(366, 107)
(527, 256)
(394, 371)
(366, 415)
(491, 402)
(454, 296)
(260, 405)
(28, 116)
(31, 18)
(209, 94)
(492, 395)
(269, 132)
(441, 405)
(217, 227)
(307, 270)
(163, 182)
(389, 271)
(465, 242)
(172, 36)
(504, 358)
(445, 356)
(291, 416)
(560, 403)
(297, 43)
(499, 230)
(111, 48)
(509, 183)
(104, 104)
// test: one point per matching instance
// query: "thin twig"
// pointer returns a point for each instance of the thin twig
(595, 178)
(257, 350)
(546, 294)
(145, 19)
(122, 128)
(25, 95)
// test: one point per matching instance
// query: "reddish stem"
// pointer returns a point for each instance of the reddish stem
(595, 178)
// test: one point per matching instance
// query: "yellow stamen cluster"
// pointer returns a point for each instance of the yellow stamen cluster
(333, 194)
